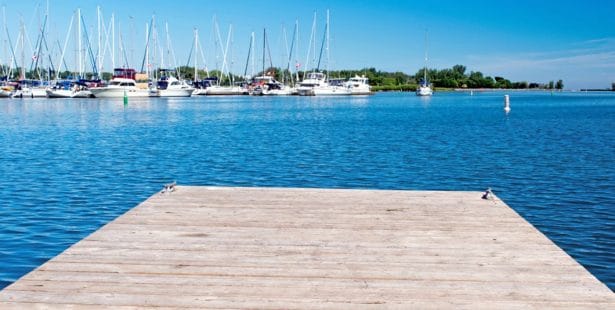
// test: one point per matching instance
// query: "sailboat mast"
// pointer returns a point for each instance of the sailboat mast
(169, 53)
(5, 53)
(99, 57)
(297, 62)
(328, 55)
(196, 48)
(70, 28)
(23, 50)
(245, 69)
(264, 44)
(425, 67)
(252, 47)
(79, 60)
(113, 41)
(309, 49)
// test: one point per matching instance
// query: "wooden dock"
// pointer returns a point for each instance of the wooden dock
(281, 248)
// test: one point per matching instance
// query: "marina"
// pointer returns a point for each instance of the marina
(221, 247)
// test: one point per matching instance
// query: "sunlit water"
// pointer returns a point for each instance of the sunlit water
(69, 166)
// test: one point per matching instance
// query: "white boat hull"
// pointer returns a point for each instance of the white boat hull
(225, 91)
(112, 92)
(185, 92)
(301, 91)
(30, 93)
(5, 93)
(199, 92)
(286, 91)
(424, 91)
(360, 90)
(331, 91)
(67, 93)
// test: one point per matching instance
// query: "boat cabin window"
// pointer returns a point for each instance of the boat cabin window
(316, 76)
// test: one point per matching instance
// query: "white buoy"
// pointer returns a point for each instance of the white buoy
(506, 103)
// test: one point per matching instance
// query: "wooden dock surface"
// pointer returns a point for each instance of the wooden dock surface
(281, 248)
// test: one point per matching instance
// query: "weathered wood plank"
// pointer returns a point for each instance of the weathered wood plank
(272, 248)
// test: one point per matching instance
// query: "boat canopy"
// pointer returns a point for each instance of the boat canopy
(124, 73)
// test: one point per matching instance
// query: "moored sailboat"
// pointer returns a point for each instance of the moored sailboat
(424, 87)
(69, 89)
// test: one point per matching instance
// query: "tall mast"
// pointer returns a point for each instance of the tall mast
(112, 41)
(5, 53)
(252, 47)
(146, 58)
(231, 60)
(425, 67)
(311, 44)
(70, 28)
(196, 46)
(98, 38)
(250, 52)
(166, 29)
(264, 44)
(23, 49)
(297, 64)
(79, 59)
(328, 55)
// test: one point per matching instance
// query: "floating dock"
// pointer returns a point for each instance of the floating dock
(285, 248)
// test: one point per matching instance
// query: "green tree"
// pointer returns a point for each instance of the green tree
(460, 71)
(501, 82)
(613, 86)
(559, 85)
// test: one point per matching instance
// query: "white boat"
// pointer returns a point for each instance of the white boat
(424, 88)
(69, 89)
(200, 86)
(267, 86)
(29, 89)
(170, 86)
(217, 90)
(68, 93)
(30, 92)
(199, 92)
(6, 90)
(122, 84)
(316, 84)
(358, 85)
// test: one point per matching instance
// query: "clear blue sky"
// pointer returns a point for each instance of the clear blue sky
(535, 41)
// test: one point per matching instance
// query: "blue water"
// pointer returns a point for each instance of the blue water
(69, 166)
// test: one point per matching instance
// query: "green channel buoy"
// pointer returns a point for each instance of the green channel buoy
(125, 98)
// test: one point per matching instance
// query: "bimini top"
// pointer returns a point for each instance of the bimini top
(124, 73)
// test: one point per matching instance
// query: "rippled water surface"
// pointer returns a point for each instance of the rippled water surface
(69, 166)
